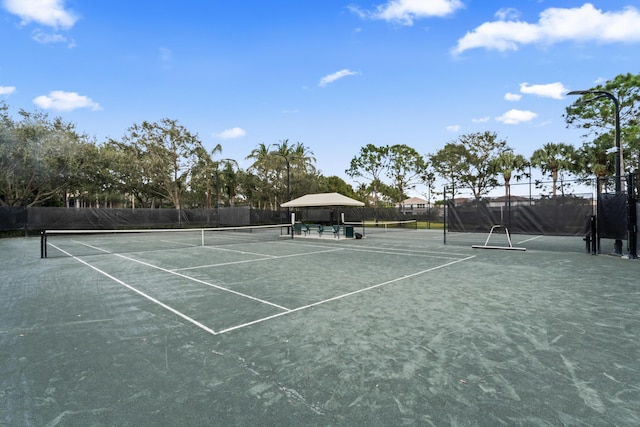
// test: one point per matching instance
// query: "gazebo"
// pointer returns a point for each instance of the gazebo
(323, 200)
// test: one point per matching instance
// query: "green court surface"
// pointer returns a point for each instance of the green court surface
(393, 329)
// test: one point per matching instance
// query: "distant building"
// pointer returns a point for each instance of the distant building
(413, 206)
(512, 200)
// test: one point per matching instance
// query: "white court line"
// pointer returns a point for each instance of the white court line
(287, 311)
(409, 252)
(266, 258)
(244, 325)
(222, 288)
(148, 297)
(184, 276)
(528, 240)
(217, 248)
(392, 251)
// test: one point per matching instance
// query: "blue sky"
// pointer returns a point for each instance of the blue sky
(334, 75)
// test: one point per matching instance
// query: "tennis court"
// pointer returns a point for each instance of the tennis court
(392, 329)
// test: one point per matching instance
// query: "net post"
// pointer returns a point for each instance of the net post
(43, 244)
(594, 235)
(202, 236)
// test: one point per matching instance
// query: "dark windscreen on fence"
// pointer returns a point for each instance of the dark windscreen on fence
(612, 216)
(40, 218)
(559, 216)
(13, 218)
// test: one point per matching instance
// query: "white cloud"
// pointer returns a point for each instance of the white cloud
(335, 76)
(50, 13)
(552, 90)
(481, 120)
(232, 133)
(585, 23)
(45, 38)
(507, 13)
(453, 128)
(405, 12)
(65, 101)
(512, 96)
(7, 90)
(514, 117)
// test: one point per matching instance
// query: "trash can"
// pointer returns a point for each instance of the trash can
(348, 231)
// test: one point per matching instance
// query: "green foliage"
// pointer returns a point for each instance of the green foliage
(335, 184)
(509, 165)
(469, 162)
(405, 167)
(596, 115)
(553, 159)
(155, 161)
(283, 172)
(42, 160)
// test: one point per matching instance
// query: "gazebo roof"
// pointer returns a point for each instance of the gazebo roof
(321, 199)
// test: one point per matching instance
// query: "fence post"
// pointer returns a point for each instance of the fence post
(444, 215)
(632, 226)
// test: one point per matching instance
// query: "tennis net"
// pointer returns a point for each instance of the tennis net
(94, 242)
(371, 227)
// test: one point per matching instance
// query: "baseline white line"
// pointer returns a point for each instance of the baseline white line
(148, 297)
(222, 331)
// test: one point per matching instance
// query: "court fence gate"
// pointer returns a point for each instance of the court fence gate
(617, 216)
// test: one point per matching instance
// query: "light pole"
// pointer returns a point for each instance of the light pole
(612, 97)
(618, 182)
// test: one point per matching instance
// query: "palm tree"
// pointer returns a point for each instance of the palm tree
(553, 158)
(261, 169)
(506, 164)
(595, 159)
(292, 157)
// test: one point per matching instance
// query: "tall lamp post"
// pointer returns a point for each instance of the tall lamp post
(618, 181)
(612, 97)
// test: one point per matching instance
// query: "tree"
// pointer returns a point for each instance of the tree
(280, 171)
(370, 163)
(448, 163)
(469, 162)
(335, 184)
(405, 167)
(554, 158)
(594, 158)
(262, 176)
(41, 159)
(596, 114)
(230, 179)
(506, 164)
(167, 153)
(292, 164)
(205, 177)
